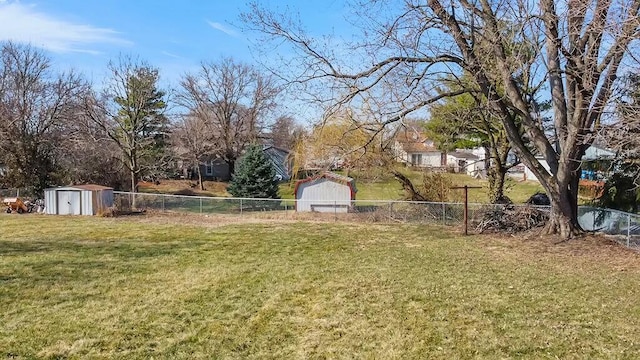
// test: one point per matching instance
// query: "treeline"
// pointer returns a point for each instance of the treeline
(57, 128)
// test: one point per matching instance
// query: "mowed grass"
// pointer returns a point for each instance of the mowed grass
(388, 188)
(170, 287)
(380, 187)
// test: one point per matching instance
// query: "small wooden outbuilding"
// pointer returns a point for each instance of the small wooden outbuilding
(328, 192)
(78, 200)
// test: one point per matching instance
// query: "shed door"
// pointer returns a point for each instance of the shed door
(69, 202)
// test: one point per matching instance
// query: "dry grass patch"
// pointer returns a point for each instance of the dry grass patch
(185, 187)
(196, 287)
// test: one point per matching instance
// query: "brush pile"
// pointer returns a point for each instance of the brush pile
(511, 219)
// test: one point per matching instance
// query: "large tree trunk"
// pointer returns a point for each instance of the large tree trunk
(134, 188)
(497, 172)
(563, 219)
(232, 167)
(497, 175)
(200, 176)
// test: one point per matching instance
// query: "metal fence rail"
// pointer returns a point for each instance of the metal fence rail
(9, 193)
(612, 222)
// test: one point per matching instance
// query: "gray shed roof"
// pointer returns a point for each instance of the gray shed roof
(90, 187)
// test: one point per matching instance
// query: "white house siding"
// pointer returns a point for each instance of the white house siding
(478, 167)
(323, 195)
(433, 159)
(475, 168)
(427, 159)
(528, 174)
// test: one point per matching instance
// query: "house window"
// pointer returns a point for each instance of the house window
(416, 159)
(208, 168)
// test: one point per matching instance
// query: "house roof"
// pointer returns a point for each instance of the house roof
(266, 147)
(463, 155)
(597, 152)
(279, 159)
(414, 141)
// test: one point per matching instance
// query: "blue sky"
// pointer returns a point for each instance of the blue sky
(172, 35)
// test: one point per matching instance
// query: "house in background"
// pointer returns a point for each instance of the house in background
(528, 175)
(597, 165)
(595, 159)
(465, 162)
(217, 169)
(281, 161)
(413, 148)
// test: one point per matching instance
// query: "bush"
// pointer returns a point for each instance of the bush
(436, 187)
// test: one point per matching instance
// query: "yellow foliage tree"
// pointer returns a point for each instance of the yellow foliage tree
(339, 142)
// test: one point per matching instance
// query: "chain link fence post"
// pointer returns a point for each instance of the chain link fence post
(444, 214)
(628, 229)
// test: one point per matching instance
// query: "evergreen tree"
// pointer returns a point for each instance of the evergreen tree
(131, 112)
(255, 176)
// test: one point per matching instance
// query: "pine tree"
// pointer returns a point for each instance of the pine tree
(254, 176)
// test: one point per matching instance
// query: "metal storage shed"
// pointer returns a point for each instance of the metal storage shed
(327, 192)
(78, 200)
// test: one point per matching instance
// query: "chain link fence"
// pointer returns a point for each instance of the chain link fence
(10, 193)
(612, 222)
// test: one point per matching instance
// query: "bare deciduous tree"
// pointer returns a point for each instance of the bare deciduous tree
(35, 104)
(233, 100)
(285, 132)
(89, 155)
(193, 143)
(571, 48)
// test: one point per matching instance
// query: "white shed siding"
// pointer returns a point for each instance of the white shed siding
(77, 200)
(50, 202)
(87, 203)
(323, 195)
(69, 202)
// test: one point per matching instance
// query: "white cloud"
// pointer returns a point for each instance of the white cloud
(23, 23)
(222, 28)
(169, 54)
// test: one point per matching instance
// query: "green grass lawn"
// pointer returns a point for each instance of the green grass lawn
(380, 187)
(168, 287)
(388, 188)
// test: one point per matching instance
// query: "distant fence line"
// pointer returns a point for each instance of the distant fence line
(10, 192)
(612, 222)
